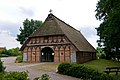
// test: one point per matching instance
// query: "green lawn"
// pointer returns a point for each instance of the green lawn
(101, 64)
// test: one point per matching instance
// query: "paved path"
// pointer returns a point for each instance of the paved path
(11, 66)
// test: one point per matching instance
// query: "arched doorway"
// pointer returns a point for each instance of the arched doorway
(47, 55)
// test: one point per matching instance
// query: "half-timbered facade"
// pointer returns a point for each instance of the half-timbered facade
(56, 41)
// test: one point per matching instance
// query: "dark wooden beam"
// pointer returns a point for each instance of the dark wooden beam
(48, 44)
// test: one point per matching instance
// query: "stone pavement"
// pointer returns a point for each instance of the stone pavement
(11, 66)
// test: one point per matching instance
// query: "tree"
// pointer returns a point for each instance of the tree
(100, 53)
(14, 52)
(10, 52)
(109, 30)
(28, 28)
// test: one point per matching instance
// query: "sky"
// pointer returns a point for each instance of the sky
(80, 14)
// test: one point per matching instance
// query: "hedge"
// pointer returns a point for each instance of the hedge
(81, 71)
(14, 76)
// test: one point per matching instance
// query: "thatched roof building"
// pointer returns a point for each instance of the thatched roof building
(59, 40)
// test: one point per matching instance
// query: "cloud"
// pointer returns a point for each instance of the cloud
(13, 28)
(26, 11)
(8, 41)
(93, 40)
(88, 31)
(90, 34)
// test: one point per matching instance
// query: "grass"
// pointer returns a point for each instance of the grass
(101, 64)
(50, 67)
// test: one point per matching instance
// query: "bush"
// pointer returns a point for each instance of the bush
(11, 75)
(43, 77)
(10, 52)
(14, 52)
(15, 76)
(64, 68)
(102, 77)
(102, 56)
(81, 71)
(4, 55)
(2, 68)
(19, 59)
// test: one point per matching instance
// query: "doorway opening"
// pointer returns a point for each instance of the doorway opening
(47, 55)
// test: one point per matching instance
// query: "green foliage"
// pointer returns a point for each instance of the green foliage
(14, 76)
(19, 59)
(102, 77)
(43, 77)
(108, 31)
(102, 56)
(10, 52)
(27, 30)
(4, 53)
(101, 64)
(11, 75)
(100, 53)
(2, 68)
(14, 51)
(64, 68)
(81, 71)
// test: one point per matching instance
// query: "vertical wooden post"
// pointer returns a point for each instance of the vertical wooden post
(64, 52)
(40, 54)
(31, 53)
(59, 52)
(27, 53)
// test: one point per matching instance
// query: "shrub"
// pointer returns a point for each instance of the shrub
(2, 68)
(3, 55)
(10, 52)
(1, 75)
(14, 51)
(63, 68)
(19, 59)
(75, 70)
(103, 56)
(102, 77)
(37, 78)
(43, 77)
(81, 71)
(15, 76)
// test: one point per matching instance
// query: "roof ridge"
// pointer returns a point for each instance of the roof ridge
(62, 28)
(86, 39)
(77, 32)
(64, 22)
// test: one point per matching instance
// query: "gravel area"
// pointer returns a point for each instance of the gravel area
(11, 66)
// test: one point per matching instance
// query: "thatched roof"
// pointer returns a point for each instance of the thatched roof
(55, 26)
(49, 27)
